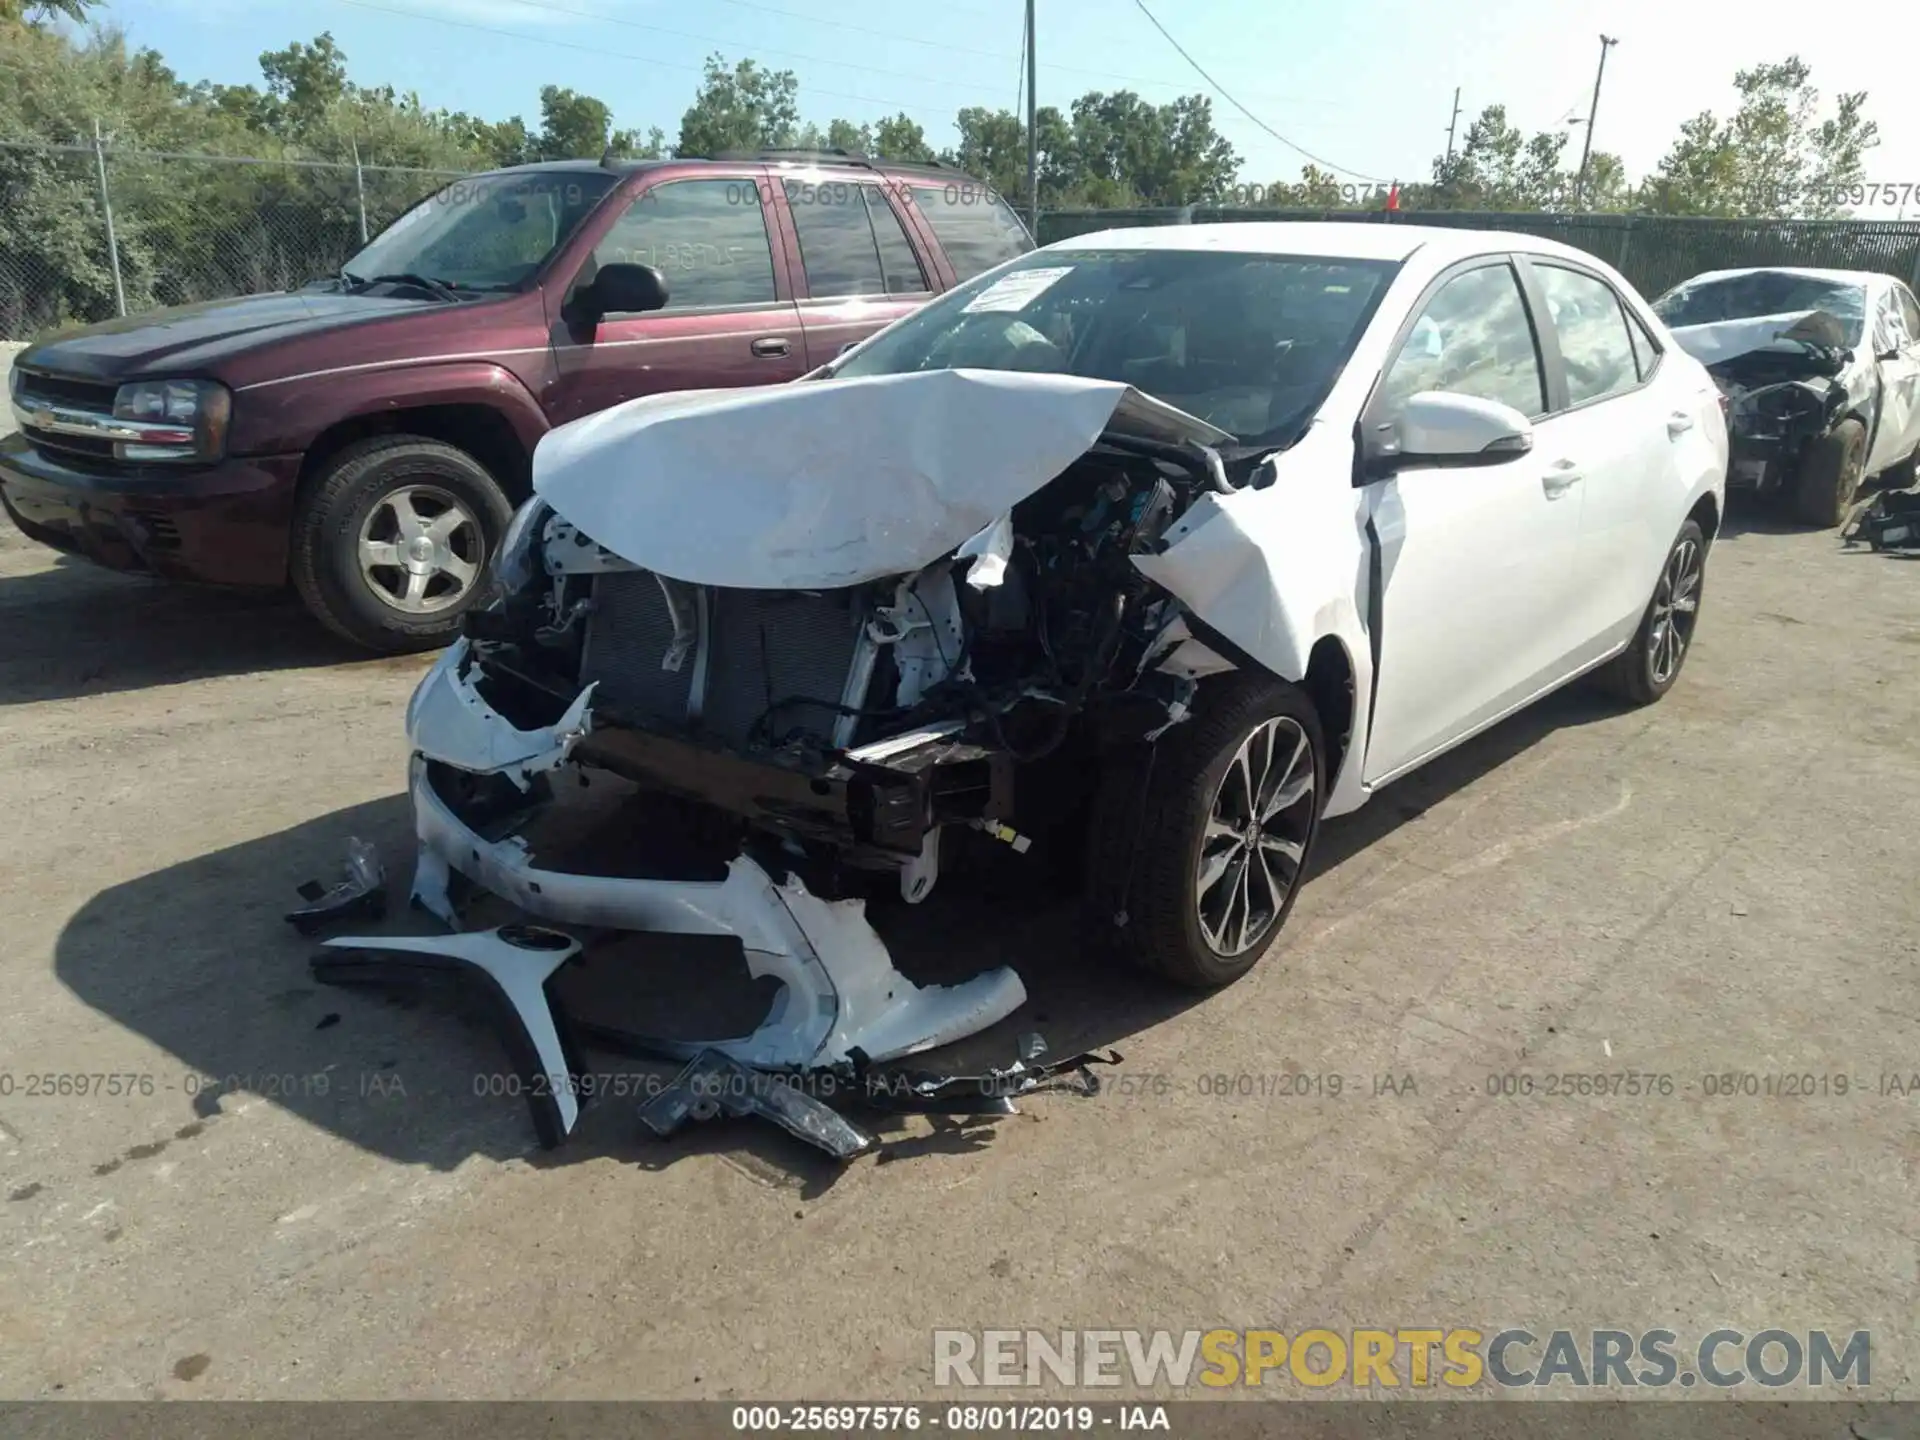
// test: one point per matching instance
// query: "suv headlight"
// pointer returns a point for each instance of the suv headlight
(171, 420)
(518, 563)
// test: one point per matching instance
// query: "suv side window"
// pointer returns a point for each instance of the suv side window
(1594, 343)
(707, 237)
(898, 262)
(974, 226)
(1472, 338)
(851, 242)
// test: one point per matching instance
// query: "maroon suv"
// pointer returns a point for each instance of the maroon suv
(369, 437)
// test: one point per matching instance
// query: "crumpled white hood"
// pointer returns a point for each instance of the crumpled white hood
(1729, 339)
(827, 483)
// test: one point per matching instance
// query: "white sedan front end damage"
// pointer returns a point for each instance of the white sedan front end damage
(829, 614)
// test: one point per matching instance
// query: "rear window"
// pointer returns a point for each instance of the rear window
(1755, 293)
(974, 226)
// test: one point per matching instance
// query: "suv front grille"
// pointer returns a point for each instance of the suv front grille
(60, 390)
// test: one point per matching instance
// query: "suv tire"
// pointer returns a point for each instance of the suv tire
(391, 541)
(1173, 840)
(1830, 473)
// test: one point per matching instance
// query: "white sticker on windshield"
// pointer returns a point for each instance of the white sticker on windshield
(1016, 291)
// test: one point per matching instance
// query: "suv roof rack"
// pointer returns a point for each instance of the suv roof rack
(835, 155)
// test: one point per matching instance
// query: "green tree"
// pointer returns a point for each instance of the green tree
(577, 127)
(36, 12)
(303, 83)
(900, 138)
(747, 107)
(1773, 157)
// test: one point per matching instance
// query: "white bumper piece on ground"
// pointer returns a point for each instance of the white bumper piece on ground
(841, 997)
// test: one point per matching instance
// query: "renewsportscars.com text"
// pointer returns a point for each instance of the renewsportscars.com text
(1403, 1357)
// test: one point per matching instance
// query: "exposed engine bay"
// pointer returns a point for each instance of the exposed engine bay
(1788, 381)
(866, 718)
(822, 736)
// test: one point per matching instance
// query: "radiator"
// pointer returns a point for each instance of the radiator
(761, 646)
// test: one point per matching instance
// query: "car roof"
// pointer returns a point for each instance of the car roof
(1331, 239)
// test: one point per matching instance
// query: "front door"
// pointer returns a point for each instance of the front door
(1479, 565)
(729, 320)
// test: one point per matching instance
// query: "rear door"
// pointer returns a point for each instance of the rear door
(1622, 437)
(730, 317)
(858, 268)
(975, 227)
(1479, 565)
(1897, 342)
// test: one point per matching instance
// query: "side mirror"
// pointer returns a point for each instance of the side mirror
(622, 290)
(1438, 428)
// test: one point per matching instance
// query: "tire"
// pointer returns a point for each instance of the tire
(1149, 837)
(1649, 666)
(383, 492)
(1830, 473)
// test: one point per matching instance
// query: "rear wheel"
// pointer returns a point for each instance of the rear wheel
(1830, 473)
(391, 541)
(1648, 667)
(1197, 852)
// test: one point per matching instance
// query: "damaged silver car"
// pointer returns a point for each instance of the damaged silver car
(1821, 370)
(1146, 551)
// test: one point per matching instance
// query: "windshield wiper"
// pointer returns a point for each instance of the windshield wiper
(439, 289)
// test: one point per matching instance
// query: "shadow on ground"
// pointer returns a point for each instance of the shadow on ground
(76, 629)
(197, 959)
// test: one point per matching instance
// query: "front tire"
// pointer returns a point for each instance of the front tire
(391, 541)
(1650, 664)
(1193, 871)
(1830, 474)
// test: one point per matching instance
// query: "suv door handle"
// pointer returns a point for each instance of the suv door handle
(769, 346)
(1560, 479)
(1679, 422)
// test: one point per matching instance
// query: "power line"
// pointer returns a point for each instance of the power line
(621, 55)
(1224, 95)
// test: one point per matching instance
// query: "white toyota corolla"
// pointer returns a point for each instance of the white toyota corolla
(1156, 546)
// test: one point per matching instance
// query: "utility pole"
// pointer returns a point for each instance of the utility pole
(1607, 42)
(1453, 120)
(1033, 138)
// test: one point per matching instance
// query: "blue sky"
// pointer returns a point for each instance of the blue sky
(1367, 84)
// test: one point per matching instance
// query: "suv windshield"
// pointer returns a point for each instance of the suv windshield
(486, 232)
(1764, 292)
(1250, 343)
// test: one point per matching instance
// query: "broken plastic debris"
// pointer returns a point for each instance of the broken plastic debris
(714, 1085)
(988, 1093)
(990, 551)
(360, 894)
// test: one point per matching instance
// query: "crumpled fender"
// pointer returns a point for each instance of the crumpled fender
(449, 721)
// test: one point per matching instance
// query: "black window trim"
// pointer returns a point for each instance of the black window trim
(639, 194)
(1370, 416)
(1550, 335)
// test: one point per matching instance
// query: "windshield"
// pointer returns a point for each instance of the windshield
(1764, 292)
(489, 232)
(1251, 343)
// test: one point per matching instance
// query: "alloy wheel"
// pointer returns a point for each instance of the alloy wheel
(1256, 837)
(1676, 606)
(421, 549)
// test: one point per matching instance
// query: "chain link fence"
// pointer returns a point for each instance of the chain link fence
(1655, 252)
(91, 231)
(88, 232)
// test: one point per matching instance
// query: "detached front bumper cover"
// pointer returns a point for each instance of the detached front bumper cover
(841, 1000)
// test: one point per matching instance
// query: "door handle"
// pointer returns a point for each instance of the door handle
(1560, 479)
(768, 347)
(1679, 423)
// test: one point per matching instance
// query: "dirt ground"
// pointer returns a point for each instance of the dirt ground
(302, 1194)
